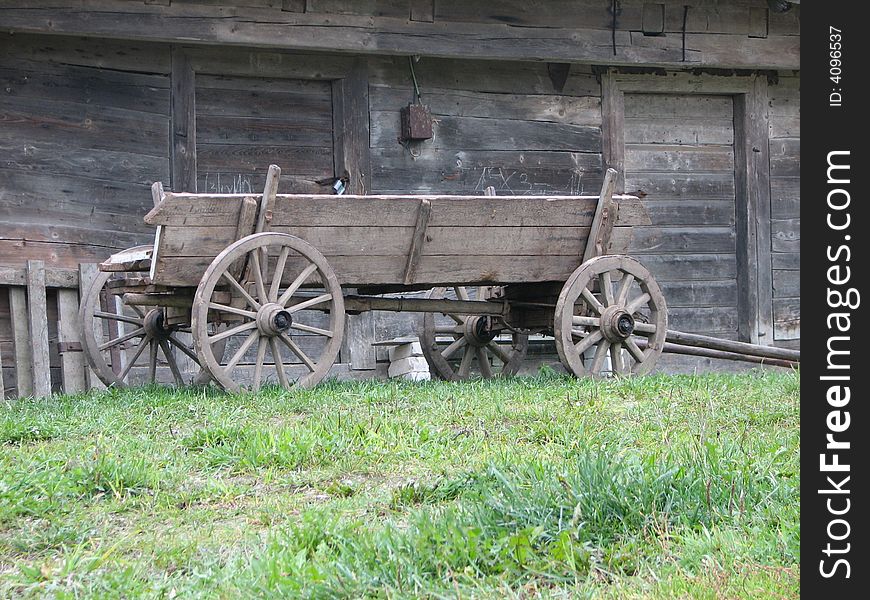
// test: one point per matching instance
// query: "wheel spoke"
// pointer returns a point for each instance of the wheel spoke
(241, 290)
(297, 283)
(142, 345)
(598, 360)
(637, 303)
(459, 320)
(616, 358)
(483, 360)
(499, 352)
(259, 278)
(107, 315)
(231, 332)
(586, 321)
(279, 272)
(452, 348)
(624, 287)
(261, 358)
(583, 345)
(249, 341)
(152, 362)
(183, 347)
(137, 310)
(279, 364)
(635, 350)
(298, 351)
(465, 363)
(173, 366)
(461, 292)
(592, 301)
(138, 332)
(309, 303)
(606, 284)
(310, 329)
(233, 310)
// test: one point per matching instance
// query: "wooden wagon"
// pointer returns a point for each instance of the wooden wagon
(255, 288)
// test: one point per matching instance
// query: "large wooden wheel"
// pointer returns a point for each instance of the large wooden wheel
(454, 347)
(286, 301)
(610, 307)
(124, 344)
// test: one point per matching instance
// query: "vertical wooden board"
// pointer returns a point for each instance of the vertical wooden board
(87, 273)
(21, 340)
(183, 119)
(357, 349)
(38, 320)
(350, 114)
(72, 361)
(613, 127)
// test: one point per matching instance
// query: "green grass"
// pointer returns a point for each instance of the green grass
(655, 487)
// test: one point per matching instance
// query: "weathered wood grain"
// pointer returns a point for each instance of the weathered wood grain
(787, 318)
(21, 339)
(786, 235)
(269, 28)
(785, 197)
(183, 123)
(354, 271)
(37, 319)
(571, 110)
(669, 158)
(72, 361)
(350, 130)
(790, 261)
(395, 211)
(786, 284)
(475, 133)
(700, 239)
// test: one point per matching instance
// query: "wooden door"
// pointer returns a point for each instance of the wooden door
(244, 124)
(679, 156)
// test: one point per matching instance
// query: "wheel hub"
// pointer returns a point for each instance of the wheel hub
(617, 324)
(155, 324)
(273, 319)
(479, 330)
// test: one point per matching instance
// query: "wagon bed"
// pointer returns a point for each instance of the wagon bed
(419, 241)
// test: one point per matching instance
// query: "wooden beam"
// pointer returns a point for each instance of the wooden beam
(350, 128)
(417, 241)
(183, 119)
(604, 219)
(37, 314)
(72, 359)
(613, 126)
(752, 184)
(267, 28)
(21, 341)
(267, 202)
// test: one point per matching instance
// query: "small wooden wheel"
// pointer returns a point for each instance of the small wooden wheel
(119, 338)
(286, 300)
(451, 348)
(610, 306)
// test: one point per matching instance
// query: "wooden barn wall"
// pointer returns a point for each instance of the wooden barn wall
(86, 128)
(785, 145)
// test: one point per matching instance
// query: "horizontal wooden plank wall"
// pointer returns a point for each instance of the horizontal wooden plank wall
(82, 138)
(785, 208)
(679, 156)
(244, 124)
(495, 124)
(741, 34)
